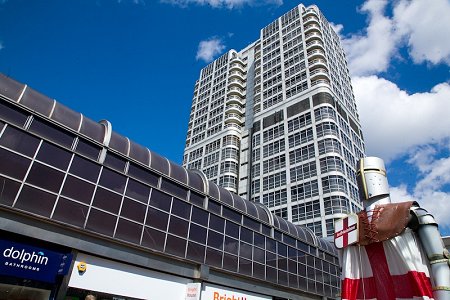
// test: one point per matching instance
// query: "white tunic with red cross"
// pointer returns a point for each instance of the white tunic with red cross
(389, 270)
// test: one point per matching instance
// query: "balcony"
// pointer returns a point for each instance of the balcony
(316, 53)
(312, 28)
(234, 118)
(233, 126)
(236, 82)
(319, 73)
(313, 64)
(310, 12)
(315, 44)
(238, 74)
(235, 100)
(236, 66)
(234, 108)
(320, 81)
(311, 20)
(313, 36)
(233, 90)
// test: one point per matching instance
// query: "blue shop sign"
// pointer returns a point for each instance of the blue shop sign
(24, 261)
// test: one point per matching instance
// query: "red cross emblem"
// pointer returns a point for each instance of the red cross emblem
(346, 231)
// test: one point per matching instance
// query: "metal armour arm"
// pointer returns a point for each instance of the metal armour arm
(427, 229)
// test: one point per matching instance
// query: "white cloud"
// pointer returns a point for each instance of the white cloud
(422, 27)
(430, 191)
(207, 50)
(371, 51)
(426, 28)
(230, 4)
(395, 122)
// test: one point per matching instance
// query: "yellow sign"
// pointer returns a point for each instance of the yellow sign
(81, 266)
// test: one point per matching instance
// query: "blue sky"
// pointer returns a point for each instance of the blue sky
(135, 62)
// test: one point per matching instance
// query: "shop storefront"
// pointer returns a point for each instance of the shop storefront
(31, 270)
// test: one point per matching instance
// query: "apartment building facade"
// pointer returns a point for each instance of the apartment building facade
(277, 122)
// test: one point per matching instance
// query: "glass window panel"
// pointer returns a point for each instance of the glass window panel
(215, 207)
(133, 210)
(199, 216)
(84, 168)
(293, 280)
(8, 191)
(36, 101)
(259, 255)
(213, 257)
(52, 133)
(160, 200)
(259, 240)
(215, 239)
(157, 218)
(35, 201)
(78, 189)
(282, 249)
(282, 263)
(245, 266)
(271, 274)
(253, 224)
(265, 230)
(114, 162)
(128, 231)
(139, 153)
(70, 212)
(101, 222)
(246, 250)
(181, 208)
(232, 229)
(138, 191)
(196, 199)
(177, 172)
(12, 114)
(259, 271)
(246, 235)
(19, 141)
(271, 245)
(196, 181)
(175, 246)
(159, 163)
(301, 269)
(13, 165)
(196, 252)
(178, 226)
(282, 278)
(143, 175)
(197, 233)
(231, 245)
(173, 188)
(153, 239)
(232, 215)
(216, 223)
(53, 155)
(88, 149)
(112, 180)
(230, 262)
(119, 143)
(107, 200)
(45, 177)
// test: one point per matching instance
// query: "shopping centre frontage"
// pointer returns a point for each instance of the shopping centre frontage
(85, 210)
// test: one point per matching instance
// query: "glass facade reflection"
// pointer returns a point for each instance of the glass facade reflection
(83, 178)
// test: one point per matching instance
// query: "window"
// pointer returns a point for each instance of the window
(301, 154)
(275, 163)
(273, 148)
(334, 183)
(302, 172)
(274, 181)
(305, 190)
(275, 198)
(304, 211)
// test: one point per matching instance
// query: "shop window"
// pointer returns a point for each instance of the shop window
(231, 245)
(45, 177)
(35, 201)
(216, 223)
(214, 257)
(101, 222)
(271, 274)
(232, 229)
(259, 271)
(157, 218)
(138, 191)
(19, 141)
(230, 262)
(78, 189)
(70, 212)
(53, 155)
(128, 231)
(199, 216)
(181, 208)
(160, 200)
(245, 266)
(143, 175)
(52, 133)
(112, 180)
(197, 233)
(13, 165)
(153, 239)
(215, 240)
(9, 190)
(133, 210)
(175, 246)
(88, 149)
(195, 252)
(107, 200)
(84, 169)
(178, 226)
